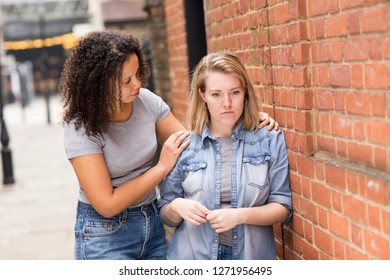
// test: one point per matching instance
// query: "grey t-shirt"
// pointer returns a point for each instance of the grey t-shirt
(129, 147)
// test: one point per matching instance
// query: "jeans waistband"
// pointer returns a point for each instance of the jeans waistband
(85, 207)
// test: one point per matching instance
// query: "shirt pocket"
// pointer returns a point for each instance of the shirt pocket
(256, 170)
(194, 177)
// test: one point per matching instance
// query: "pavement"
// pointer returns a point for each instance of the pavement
(37, 211)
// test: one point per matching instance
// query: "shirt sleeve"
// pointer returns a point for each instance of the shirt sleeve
(78, 143)
(278, 173)
(156, 105)
(170, 189)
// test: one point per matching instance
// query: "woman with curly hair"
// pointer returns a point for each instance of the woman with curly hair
(113, 125)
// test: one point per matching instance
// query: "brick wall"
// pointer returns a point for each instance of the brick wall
(322, 69)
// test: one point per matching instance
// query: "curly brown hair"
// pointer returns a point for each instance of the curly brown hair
(92, 74)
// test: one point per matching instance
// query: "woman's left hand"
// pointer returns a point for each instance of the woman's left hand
(222, 220)
(265, 119)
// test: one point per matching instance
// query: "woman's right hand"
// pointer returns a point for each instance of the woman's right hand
(172, 148)
(190, 210)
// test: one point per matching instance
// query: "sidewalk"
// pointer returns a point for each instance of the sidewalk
(37, 212)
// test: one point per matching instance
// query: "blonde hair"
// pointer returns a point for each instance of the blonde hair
(198, 115)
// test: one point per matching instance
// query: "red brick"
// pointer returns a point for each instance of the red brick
(304, 99)
(374, 216)
(355, 254)
(375, 48)
(308, 229)
(336, 25)
(353, 182)
(302, 121)
(386, 220)
(340, 75)
(323, 216)
(341, 148)
(335, 175)
(373, 189)
(357, 76)
(319, 170)
(295, 183)
(377, 245)
(321, 194)
(378, 132)
(377, 76)
(354, 22)
(318, 7)
(309, 251)
(305, 166)
(324, 99)
(356, 49)
(357, 234)
(359, 152)
(323, 240)
(337, 50)
(344, 5)
(341, 125)
(355, 208)
(378, 104)
(305, 144)
(306, 187)
(337, 201)
(327, 144)
(375, 20)
(339, 249)
(339, 225)
(308, 210)
(381, 159)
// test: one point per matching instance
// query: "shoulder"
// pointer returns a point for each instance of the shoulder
(148, 96)
(194, 146)
(263, 133)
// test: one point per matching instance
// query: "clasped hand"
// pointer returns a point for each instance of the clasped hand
(221, 220)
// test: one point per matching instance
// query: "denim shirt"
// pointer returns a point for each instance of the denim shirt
(260, 175)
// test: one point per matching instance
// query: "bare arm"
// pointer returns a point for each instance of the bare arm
(167, 126)
(269, 214)
(94, 177)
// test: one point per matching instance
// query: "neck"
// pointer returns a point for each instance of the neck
(124, 113)
(220, 130)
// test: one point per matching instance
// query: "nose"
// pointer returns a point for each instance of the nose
(136, 82)
(227, 100)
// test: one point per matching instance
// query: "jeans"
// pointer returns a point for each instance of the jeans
(225, 252)
(133, 234)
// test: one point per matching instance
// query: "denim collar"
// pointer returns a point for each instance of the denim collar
(236, 134)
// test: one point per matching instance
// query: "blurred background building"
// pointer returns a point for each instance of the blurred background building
(38, 35)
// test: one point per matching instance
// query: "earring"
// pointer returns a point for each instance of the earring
(246, 101)
(204, 104)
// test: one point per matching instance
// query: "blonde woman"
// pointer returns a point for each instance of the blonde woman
(231, 184)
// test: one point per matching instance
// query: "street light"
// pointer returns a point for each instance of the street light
(6, 155)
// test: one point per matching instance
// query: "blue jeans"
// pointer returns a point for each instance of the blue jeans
(134, 234)
(225, 252)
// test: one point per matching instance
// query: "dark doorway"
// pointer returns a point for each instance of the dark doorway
(196, 32)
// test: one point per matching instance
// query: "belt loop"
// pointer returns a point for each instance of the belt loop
(124, 216)
(154, 206)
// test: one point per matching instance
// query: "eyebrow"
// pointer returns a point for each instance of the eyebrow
(240, 87)
(127, 77)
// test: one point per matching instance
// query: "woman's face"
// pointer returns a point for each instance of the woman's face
(225, 97)
(130, 81)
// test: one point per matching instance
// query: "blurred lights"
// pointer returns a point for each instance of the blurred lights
(68, 41)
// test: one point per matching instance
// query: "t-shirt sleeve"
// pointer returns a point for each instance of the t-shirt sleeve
(78, 143)
(156, 105)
